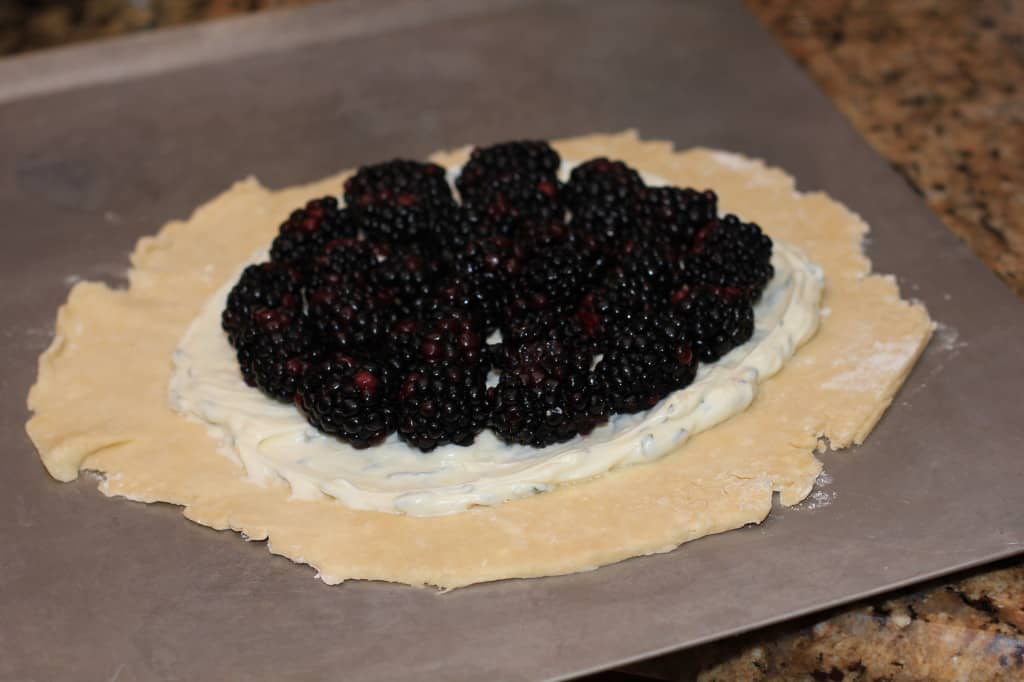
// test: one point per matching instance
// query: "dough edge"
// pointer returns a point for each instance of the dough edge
(100, 400)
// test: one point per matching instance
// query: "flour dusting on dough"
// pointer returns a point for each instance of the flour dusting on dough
(874, 370)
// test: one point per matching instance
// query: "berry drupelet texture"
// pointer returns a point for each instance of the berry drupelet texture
(534, 308)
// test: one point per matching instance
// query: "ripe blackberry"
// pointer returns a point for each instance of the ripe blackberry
(644, 364)
(348, 398)
(398, 183)
(304, 235)
(546, 393)
(507, 163)
(484, 275)
(266, 285)
(607, 225)
(652, 267)
(441, 403)
(382, 308)
(715, 321)
(351, 317)
(545, 403)
(544, 337)
(442, 336)
(604, 311)
(673, 215)
(406, 276)
(731, 253)
(346, 260)
(275, 349)
(561, 274)
(402, 224)
(603, 182)
(464, 227)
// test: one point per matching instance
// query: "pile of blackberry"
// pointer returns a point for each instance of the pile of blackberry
(379, 316)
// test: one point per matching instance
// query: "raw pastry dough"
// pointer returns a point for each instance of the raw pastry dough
(100, 402)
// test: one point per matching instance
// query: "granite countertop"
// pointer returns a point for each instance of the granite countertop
(936, 87)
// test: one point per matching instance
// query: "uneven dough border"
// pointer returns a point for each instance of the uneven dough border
(100, 402)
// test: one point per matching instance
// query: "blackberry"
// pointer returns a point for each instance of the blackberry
(507, 164)
(406, 276)
(484, 275)
(603, 312)
(546, 393)
(545, 403)
(603, 182)
(373, 317)
(398, 183)
(671, 215)
(346, 260)
(651, 267)
(464, 227)
(402, 224)
(731, 253)
(351, 318)
(608, 225)
(274, 351)
(348, 398)
(644, 364)
(441, 403)
(561, 274)
(511, 202)
(715, 321)
(303, 236)
(450, 337)
(267, 285)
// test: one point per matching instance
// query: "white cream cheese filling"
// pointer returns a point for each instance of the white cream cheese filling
(273, 440)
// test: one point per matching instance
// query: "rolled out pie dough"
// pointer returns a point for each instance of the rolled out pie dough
(100, 402)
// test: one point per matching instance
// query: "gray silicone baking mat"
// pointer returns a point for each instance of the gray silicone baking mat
(92, 588)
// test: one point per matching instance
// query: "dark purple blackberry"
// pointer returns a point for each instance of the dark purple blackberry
(546, 393)
(303, 236)
(603, 312)
(441, 403)
(506, 164)
(406, 276)
(449, 337)
(644, 363)
(545, 403)
(544, 337)
(673, 215)
(513, 201)
(402, 224)
(346, 260)
(267, 285)
(400, 290)
(607, 225)
(348, 399)
(483, 278)
(731, 253)
(351, 318)
(604, 183)
(275, 349)
(715, 320)
(398, 183)
(466, 226)
(561, 274)
(654, 268)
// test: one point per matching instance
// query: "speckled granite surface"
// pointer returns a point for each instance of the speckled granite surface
(937, 86)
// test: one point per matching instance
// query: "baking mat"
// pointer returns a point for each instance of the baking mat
(104, 147)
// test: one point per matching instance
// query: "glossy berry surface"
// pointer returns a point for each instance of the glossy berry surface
(532, 307)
